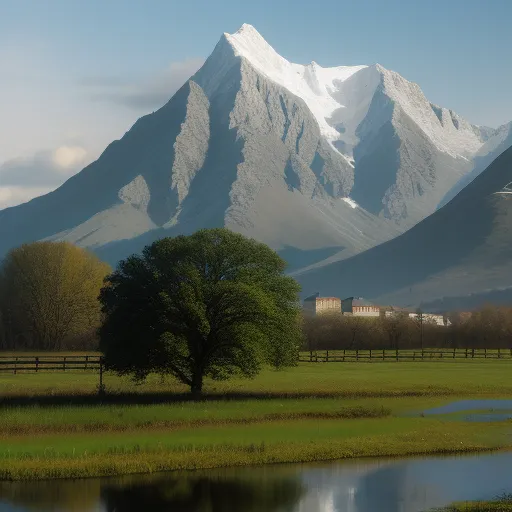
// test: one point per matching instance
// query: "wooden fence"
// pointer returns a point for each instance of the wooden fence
(18, 364)
(376, 355)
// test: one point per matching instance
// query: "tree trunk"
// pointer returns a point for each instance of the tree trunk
(197, 384)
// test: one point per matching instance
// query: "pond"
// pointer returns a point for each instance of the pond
(476, 410)
(396, 485)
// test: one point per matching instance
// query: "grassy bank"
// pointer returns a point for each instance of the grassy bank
(52, 425)
(87, 454)
(499, 504)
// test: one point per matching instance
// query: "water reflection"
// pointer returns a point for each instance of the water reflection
(409, 485)
(205, 493)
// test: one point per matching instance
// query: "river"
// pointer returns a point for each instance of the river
(365, 485)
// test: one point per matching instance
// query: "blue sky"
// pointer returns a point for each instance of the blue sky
(75, 74)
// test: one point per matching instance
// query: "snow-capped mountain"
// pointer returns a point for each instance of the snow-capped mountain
(319, 163)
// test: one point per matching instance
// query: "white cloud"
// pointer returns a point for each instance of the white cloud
(69, 156)
(22, 179)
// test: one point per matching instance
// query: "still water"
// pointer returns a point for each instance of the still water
(396, 485)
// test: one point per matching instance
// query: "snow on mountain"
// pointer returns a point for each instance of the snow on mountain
(328, 96)
(317, 86)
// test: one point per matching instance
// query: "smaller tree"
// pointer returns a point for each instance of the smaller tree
(210, 304)
(49, 294)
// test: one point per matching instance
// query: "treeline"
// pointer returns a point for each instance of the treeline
(49, 297)
(489, 327)
(50, 300)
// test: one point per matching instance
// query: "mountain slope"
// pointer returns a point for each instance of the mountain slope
(463, 248)
(499, 141)
(319, 163)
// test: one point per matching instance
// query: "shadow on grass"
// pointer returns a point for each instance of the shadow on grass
(147, 398)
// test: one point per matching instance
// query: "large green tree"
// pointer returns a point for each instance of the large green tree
(49, 294)
(210, 304)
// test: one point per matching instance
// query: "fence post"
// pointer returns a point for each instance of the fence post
(310, 356)
(467, 352)
(453, 353)
(383, 354)
(15, 365)
(396, 353)
(485, 353)
(326, 356)
(64, 363)
(357, 354)
(101, 389)
(499, 353)
(37, 363)
(344, 355)
(370, 355)
(86, 361)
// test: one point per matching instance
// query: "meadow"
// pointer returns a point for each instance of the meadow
(54, 424)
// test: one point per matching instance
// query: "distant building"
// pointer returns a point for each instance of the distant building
(357, 306)
(431, 318)
(316, 305)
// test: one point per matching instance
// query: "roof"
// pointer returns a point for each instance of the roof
(359, 301)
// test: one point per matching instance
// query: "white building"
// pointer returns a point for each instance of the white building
(430, 318)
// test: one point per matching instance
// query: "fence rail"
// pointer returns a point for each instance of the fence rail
(375, 355)
(39, 363)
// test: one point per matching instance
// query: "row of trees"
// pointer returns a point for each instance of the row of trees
(212, 304)
(489, 327)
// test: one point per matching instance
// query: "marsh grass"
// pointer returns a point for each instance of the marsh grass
(39, 420)
(283, 441)
(502, 503)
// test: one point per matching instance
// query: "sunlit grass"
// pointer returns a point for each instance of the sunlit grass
(311, 412)
(281, 441)
(501, 503)
(482, 377)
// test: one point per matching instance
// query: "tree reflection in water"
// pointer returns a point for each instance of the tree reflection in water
(277, 489)
(205, 493)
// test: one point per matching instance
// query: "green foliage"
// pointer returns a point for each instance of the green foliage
(49, 294)
(210, 304)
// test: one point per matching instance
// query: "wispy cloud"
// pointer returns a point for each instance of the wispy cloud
(22, 179)
(144, 95)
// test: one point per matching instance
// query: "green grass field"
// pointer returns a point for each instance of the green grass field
(311, 412)
(489, 377)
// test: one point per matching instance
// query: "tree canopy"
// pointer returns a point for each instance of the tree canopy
(211, 304)
(49, 293)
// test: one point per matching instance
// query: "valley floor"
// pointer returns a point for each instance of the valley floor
(53, 425)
